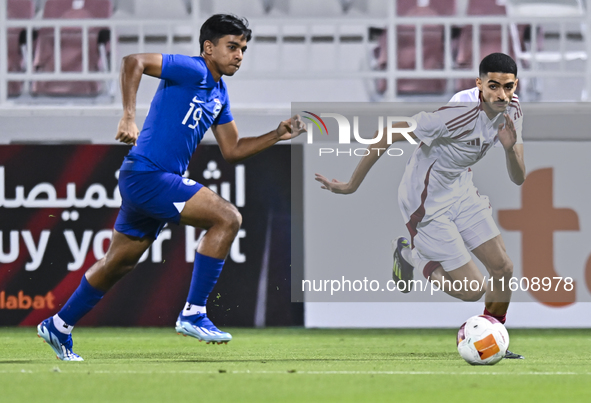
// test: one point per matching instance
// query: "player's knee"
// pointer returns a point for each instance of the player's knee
(236, 220)
(233, 220)
(502, 269)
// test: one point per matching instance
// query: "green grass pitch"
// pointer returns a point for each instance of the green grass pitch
(282, 365)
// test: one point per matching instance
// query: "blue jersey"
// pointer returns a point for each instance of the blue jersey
(188, 101)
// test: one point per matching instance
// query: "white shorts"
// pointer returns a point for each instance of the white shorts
(448, 238)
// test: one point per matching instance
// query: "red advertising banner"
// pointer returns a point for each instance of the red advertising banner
(58, 204)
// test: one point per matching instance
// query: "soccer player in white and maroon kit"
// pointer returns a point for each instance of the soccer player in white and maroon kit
(444, 213)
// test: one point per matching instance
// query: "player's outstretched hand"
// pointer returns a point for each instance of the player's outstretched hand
(507, 133)
(127, 131)
(334, 186)
(291, 128)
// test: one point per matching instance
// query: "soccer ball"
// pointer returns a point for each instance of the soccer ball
(482, 340)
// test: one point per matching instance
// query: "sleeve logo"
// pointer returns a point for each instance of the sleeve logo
(217, 109)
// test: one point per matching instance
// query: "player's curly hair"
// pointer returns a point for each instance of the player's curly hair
(220, 25)
(497, 63)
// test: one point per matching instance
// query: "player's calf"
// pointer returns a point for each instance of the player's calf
(501, 274)
(105, 273)
(121, 258)
(472, 296)
(463, 284)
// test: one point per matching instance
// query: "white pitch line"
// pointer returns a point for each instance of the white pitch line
(305, 372)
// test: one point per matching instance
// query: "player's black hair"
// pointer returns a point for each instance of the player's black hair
(497, 63)
(220, 25)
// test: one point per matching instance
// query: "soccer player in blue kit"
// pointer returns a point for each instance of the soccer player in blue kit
(190, 99)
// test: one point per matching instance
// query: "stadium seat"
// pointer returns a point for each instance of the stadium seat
(544, 8)
(441, 7)
(17, 41)
(490, 38)
(71, 47)
(433, 57)
(158, 9)
(252, 8)
(522, 48)
(315, 8)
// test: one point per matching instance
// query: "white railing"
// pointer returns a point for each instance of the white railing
(337, 25)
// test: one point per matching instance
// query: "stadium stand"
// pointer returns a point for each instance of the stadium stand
(155, 9)
(523, 51)
(336, 50)
(72, 49)
(490, 37)
(17, 41)
(254, 8)
(432, 44)
(442, 7)
(541, 8)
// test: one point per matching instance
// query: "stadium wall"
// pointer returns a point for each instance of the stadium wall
(545, 126)
(97, 124)
(546, 225)
(58, 204)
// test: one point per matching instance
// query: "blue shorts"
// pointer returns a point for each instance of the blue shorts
(150, 199)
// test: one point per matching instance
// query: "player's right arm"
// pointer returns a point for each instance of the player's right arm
(367, 161)
(132, 69)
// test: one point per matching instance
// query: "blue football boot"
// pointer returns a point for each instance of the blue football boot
(200, 327)
(60, 343)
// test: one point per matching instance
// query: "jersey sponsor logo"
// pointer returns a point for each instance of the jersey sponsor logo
(189, 182)
(217, 109)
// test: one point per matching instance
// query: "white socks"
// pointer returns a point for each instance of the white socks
(407, 255)
(193, 309)
(61, 326)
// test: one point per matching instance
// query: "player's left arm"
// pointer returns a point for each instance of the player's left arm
(235, 149)
(513, 151)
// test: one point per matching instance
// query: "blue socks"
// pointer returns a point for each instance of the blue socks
(206, 271)
(80, 303)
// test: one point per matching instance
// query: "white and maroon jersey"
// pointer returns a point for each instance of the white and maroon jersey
(452, 139)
